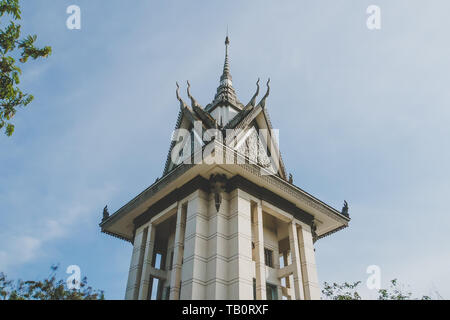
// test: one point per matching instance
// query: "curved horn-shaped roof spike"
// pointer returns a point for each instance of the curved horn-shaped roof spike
(188, 89)
(253, 100)
(178, 91)
(193, 101)
(198, 109)
(262, 103)
(182, 103)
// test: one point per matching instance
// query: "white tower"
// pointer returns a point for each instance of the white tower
(224, 221)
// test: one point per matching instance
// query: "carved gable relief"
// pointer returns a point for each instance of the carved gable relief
(255, 148)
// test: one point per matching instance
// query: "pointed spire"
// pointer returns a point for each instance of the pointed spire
(225, 91)
(226, 66)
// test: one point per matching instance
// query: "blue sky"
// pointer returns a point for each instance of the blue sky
(363, 116)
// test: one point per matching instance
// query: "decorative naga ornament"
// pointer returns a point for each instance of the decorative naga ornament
(252, 102)
(183, 104)
(262, 103)
(313, 231)
(105, 213)
(218, 183)
(345, 209)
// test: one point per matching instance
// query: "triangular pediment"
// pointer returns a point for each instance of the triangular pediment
(249, 133)
(187, 122)
(255, 138)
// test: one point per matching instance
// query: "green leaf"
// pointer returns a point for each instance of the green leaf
(11, 97)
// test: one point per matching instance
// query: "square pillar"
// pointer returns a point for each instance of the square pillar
(137, 259)
(308, 263)
(295, 257)
(217, 265)
(260, 264)
(278, 257)
(240, 247)
(147, 264)
(175, 278)
(193, 273)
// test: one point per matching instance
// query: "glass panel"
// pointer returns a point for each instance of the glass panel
(155, 285)
(272, 293)
(269, 292)
(166, 294)
(158, 261)
(268, 257)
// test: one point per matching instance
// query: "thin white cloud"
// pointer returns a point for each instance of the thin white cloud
(27, 241)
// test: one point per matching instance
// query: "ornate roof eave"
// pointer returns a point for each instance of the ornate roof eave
(172, 144)
(253, 169)
(116, 235)
(326, 234)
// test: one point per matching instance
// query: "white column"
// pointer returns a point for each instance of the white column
(147, 264)
(240, 247)
(217, 265)
(137, 258)
(308, 263)
(193, 274)
(295, 257)
(175, 278)
(277, 264)
(260, 264)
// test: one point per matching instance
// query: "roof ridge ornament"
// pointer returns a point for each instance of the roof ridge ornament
(105, 213)
(253, 100)
(194, 102)
(198, 109)
(183, 104)
(345, 209)
(262, 103)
